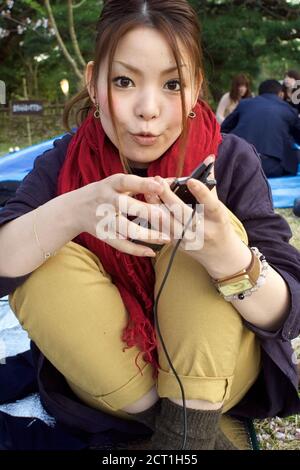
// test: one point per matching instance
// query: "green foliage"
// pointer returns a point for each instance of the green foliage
(34, 6)
(260, 38)
(30, 48)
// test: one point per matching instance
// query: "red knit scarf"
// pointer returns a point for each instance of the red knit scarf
(91, 157)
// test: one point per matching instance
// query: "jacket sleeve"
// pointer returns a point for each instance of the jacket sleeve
(296, 129)
(38, 187)
(249, 198)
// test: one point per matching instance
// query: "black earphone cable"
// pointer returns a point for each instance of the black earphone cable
(156, 323)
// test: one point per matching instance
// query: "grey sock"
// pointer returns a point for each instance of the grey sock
(202, 428)
(148, 417)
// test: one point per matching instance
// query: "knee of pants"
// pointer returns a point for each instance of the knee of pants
(75, 315)
(202, 332)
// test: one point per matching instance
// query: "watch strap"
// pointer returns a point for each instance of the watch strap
(252, 272)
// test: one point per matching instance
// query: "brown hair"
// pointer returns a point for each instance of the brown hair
(238, 81)
(174, 18)
(293, 74)
(296, 76)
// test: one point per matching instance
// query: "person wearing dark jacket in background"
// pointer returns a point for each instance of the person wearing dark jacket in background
(291, 89)
(271, 125)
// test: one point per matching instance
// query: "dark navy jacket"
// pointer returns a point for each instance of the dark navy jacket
(243, 188)
(270, 124)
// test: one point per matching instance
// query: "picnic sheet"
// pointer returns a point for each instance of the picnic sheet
(14, 340)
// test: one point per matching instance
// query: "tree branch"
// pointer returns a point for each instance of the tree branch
(13, 20)
(79, 4)
(61, 42)
(73, 34)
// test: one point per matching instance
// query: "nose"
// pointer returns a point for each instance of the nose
(147, 107)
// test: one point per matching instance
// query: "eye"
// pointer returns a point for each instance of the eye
(174, 83)
(123, 82)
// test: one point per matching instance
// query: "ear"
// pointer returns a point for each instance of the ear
(88, 78)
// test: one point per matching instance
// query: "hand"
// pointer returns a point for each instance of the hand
(98, 201)
(222, 252)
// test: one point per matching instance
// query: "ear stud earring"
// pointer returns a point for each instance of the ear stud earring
(192, 115)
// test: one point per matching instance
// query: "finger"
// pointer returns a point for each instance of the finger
(189, 226)
(135, 245)
(134, 184)
(130, 248)
(152, 198)
(134, 229)
(212, 205)
(172, 228)
(134, 207)
(175, 205)
(108, 233)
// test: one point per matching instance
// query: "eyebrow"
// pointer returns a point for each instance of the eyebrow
(138, 72)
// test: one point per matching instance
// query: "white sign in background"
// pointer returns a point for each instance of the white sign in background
(2, 92)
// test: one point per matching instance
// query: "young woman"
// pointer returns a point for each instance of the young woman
(240, 89)
(226, 314)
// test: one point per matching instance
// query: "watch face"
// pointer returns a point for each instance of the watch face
(236, 287)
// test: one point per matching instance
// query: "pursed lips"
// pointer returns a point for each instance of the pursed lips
(145, 140)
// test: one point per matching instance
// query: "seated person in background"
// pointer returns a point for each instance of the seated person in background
(240, 89)
(271, 125)
(291, 89)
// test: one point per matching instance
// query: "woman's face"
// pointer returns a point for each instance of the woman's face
(146, 97)
(289, 82)
(242, 90)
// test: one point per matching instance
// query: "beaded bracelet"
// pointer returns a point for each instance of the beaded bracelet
(48, 254)
(260, 281)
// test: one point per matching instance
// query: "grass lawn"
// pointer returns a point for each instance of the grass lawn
(4, 148)
(278, 433)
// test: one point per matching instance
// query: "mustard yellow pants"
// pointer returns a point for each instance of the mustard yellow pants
(75, 315)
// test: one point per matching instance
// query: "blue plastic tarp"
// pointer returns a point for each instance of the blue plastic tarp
(285, 190)
(14, 167)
